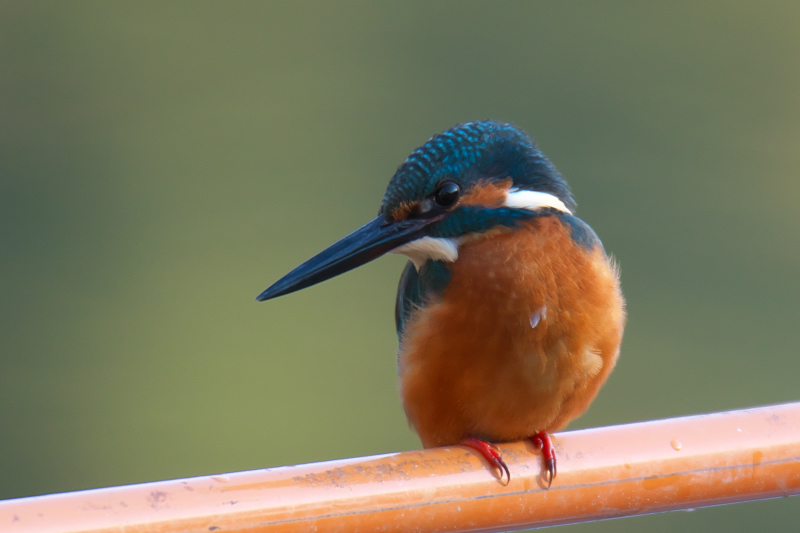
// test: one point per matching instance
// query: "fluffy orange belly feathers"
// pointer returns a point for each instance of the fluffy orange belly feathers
(520, 340)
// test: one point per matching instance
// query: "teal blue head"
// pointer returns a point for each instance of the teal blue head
(426, 211)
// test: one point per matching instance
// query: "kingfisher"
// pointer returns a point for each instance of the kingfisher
(509, 312)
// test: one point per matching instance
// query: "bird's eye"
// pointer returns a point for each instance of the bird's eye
(447, 194)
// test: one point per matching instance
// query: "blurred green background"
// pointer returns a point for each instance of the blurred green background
(162, 163)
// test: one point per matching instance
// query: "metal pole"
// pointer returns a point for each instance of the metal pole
(606, 472)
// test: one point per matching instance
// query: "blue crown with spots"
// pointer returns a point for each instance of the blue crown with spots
(472, 151)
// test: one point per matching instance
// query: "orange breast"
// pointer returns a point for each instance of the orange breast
(520, 341)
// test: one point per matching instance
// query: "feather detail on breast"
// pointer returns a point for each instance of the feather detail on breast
(518, 340)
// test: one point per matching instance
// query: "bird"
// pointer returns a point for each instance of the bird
(509, 312)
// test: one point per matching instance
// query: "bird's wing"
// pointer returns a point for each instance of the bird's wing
(417, 287)
(581, 233)
(409, 296)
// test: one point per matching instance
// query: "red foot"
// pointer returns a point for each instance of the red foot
(491, 454)
(542, 441)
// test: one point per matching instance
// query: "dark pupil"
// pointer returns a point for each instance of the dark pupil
(447, 194)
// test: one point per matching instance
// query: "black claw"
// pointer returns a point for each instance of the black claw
(504, 468)
(551, 472)
(542, 441)
(491, 453)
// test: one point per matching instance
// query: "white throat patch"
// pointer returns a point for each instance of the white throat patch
(424, 248)
(533, 200)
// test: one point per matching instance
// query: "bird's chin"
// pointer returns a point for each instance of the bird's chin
(419, 251)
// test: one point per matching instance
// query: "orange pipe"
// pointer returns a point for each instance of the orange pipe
(602, 473)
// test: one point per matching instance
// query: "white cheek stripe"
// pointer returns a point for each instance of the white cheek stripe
(533, 200)
(439, 249)
(426, 248)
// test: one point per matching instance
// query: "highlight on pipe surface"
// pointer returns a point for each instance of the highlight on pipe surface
(606, 472)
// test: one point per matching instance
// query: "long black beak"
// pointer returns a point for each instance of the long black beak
(368, 242)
